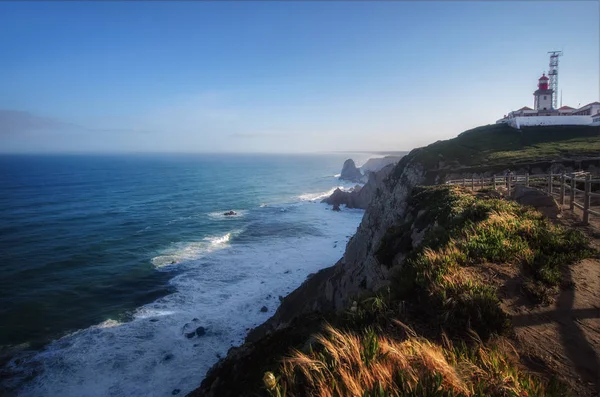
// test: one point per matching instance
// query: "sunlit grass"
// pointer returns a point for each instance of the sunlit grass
(439, 284)
(367, 364)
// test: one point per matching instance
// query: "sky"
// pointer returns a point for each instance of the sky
(279, 76)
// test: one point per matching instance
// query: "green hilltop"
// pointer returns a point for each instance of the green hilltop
(500, 144)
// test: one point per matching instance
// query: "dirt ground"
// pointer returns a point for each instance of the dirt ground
(564, 337)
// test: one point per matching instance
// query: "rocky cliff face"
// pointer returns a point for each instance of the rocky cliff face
(334, 287)
(360, 197)
(377, 163)
(359, 270)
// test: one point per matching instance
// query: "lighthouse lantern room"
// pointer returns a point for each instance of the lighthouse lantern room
(543, 95)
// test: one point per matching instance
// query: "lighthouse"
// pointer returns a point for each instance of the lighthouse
(543, 95)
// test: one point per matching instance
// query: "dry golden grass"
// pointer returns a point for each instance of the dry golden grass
(349, 364)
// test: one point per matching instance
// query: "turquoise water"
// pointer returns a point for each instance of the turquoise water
(110, 262)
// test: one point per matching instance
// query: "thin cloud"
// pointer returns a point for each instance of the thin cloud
(16, 122)
(121, 130)
(239, 135)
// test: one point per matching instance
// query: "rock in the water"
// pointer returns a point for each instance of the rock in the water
(200, 331)
(350, 172)
(175, 392)
(230, 213)
(336, 207)
(264, 309)
(190, 335)
(168, 357)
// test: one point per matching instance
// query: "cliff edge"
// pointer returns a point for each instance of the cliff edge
(394, 250)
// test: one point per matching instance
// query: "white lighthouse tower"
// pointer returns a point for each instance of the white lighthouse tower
(543, 96)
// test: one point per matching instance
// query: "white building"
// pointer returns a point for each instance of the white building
(544, 114)
(596, 119)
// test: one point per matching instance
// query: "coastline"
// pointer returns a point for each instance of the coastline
(268, 239)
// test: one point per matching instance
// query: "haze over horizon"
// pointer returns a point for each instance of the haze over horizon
(279, 76)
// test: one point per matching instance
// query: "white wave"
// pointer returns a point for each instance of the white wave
(319, 195)
(221, 214)
(219, 289)
(337, 175)
(109, 324)
(192, 250)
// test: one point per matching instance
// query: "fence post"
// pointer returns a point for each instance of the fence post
(481, 188)
(494, 178)
(473, 183)
(550, 183)
(562, 189)
(508, 183)
(587, 198)
(464, 182)
(572, 193)
(527, 179)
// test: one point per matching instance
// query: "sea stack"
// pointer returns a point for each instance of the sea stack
(350, 172)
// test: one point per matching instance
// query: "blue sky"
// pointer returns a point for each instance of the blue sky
(279, 76)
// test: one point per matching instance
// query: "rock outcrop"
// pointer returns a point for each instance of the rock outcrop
(536, 198)
(359, 197)
(350, 172)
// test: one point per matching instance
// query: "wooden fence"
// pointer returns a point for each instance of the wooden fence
(574, 189)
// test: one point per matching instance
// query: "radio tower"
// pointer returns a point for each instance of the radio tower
(553, 75)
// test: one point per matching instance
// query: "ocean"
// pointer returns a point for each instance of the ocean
(121, 275)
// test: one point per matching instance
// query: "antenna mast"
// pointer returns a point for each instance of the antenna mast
(553, 75)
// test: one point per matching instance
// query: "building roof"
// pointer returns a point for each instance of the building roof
(544, 77)
(565, 108)
(524, 108)
(589, 104)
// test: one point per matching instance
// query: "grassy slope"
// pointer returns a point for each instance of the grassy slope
(500, 144)
(438, 291)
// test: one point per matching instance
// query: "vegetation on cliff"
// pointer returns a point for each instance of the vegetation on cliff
(443, 257)
(499, 144)
(452, 265)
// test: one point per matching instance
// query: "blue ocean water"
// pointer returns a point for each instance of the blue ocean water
(110, 263)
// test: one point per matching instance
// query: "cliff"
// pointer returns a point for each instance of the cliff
(360, 197)
(377, 163)
(395, 224)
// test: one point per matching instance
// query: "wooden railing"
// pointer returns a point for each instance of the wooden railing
(573, 188)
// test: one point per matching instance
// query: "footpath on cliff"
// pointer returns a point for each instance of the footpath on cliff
(564, 337)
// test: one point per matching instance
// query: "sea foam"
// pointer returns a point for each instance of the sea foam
(221, 284)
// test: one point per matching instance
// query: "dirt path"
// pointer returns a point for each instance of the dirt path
(564, 337)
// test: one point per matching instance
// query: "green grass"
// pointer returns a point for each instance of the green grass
(472, 230)
(440, 290)
(499, 144)
(589, 146)
(439, 287)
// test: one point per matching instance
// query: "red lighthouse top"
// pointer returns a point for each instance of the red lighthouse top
(543, 82)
